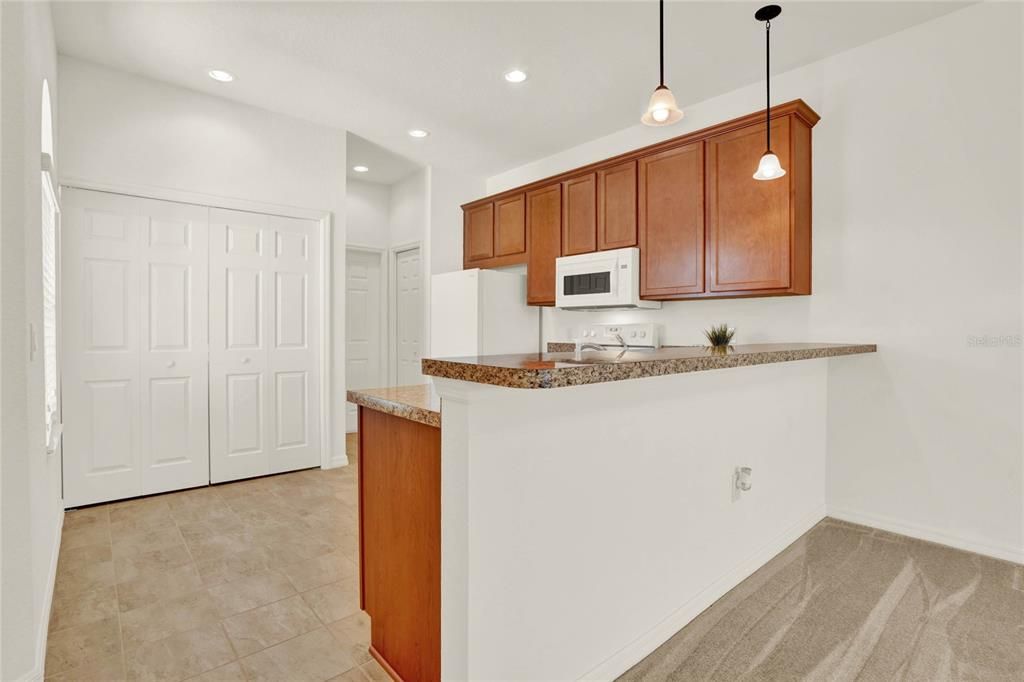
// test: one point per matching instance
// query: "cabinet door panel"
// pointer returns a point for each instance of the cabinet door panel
(579, 215)
(479, 232)
(671, 221)
(749, 226)
(544, 222)
(616, 206)
(510, 226)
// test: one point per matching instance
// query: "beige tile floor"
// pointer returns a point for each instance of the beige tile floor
(255, 580)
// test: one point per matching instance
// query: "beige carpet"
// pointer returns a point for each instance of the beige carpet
(846, 602)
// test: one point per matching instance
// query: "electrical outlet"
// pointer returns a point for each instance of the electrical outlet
(743, 475)
(741, 482)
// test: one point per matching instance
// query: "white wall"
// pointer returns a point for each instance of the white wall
(917, 247)
(614, 511)
(409, 209)
(123, 130)
(31, 510)
(367, 209)
(449, 189)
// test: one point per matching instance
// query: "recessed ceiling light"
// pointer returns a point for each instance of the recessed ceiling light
(416, 132)
(222, 76)
(360, 169)
(515, 76)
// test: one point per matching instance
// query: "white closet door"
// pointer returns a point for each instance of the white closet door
(294, 353)
(133, 302)
(364, 325)
(408, 317)
(173, 367)
(239, 328)
(264, 361)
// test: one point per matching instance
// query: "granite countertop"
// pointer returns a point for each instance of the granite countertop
(418, 403)
(556, 370)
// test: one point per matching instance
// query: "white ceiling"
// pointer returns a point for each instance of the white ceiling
(378, 69)
(385, 166)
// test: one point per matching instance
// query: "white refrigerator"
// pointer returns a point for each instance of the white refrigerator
(481, 312)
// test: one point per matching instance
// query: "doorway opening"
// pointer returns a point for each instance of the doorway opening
(385, 279)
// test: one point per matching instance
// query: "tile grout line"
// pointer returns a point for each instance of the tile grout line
(236, 659)
(120, 631)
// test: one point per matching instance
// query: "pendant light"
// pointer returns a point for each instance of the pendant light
(769, 167)
(662, 109)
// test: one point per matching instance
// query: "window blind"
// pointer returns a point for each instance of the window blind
(50, 214)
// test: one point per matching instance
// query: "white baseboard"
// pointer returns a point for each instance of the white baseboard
(641, 647)
(39, 668)
(338, 461)
(928, 533)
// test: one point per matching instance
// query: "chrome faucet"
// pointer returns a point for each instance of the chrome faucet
(625, 346)
(577, 353)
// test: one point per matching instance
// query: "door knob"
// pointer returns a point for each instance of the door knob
(170, 364)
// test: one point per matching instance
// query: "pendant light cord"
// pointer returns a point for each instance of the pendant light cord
(768, 85)
(661, 41)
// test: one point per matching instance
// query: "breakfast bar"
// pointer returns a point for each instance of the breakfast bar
(554, 475)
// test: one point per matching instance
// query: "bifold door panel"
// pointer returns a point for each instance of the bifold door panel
(134, 346)
(264, 355)
(142, 279)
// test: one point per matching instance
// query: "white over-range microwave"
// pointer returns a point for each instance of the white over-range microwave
(600, 281)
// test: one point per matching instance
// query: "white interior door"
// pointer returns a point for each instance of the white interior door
(264, 344)
(364, 325)
(134, 346)
(408, 316)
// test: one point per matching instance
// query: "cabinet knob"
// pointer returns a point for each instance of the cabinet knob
(171, 364)
(245, 361)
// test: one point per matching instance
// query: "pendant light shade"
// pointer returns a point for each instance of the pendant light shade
(769, 167)
(662, 110)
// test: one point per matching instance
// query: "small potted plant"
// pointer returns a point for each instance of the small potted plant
(719, 338)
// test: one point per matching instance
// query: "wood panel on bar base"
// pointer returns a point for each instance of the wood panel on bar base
(400, 543)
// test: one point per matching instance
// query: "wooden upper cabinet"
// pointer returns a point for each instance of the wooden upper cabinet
(579, 214)
(752, 232)
(616, 206)
(671, 222)
(705, 227)
(510, 225)
(544, 226)
(478, 232)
